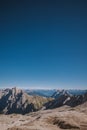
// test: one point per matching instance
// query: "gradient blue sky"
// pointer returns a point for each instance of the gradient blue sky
(43, 44)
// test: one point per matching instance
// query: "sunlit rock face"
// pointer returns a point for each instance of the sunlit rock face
(17, 101)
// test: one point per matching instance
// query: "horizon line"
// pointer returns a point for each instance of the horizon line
(37, 88)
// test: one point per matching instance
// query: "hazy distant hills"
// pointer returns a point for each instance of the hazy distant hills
(53, 92)
(40, 92)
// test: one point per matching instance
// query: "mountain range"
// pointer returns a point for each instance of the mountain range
(64, 97)
(18, 101)
(51, 92)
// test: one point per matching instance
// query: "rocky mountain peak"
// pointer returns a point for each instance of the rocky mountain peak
(17, 101)
(62, 92)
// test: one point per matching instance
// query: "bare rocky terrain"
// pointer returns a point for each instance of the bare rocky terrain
(56, 119)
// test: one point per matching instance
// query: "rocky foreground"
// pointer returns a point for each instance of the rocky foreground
(56, 119)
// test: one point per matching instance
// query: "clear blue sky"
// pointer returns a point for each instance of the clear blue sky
(43, 44)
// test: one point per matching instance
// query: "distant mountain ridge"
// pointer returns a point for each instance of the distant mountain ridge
(40, 92)
(63, 97)
(51, 92)
(59, 93)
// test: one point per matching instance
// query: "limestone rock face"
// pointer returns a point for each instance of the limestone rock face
(17, 101)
